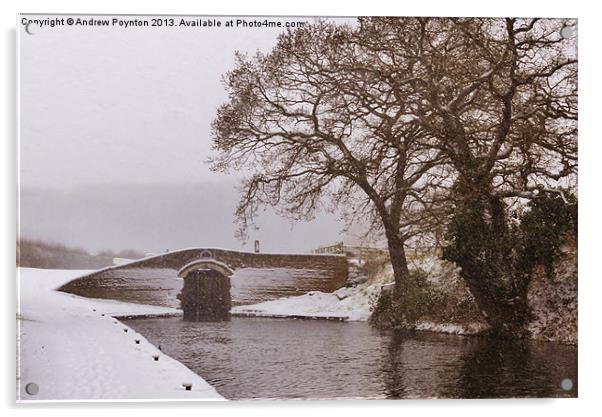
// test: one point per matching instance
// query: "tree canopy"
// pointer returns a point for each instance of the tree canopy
(405, 123)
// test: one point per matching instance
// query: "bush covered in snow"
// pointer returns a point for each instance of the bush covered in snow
(434, 296)
(437, 299)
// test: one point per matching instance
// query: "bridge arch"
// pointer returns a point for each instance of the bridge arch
(257, 277)
(204, 263)
(206, 293)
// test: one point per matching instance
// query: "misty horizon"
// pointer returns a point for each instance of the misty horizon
(114, 145)
(154, 218)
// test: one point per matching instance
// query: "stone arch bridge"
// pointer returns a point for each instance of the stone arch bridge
(257, 276)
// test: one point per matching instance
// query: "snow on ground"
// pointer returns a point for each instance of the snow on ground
(451, 328)
(352, 304)
(74, 349)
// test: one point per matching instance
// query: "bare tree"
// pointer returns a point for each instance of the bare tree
(401, 120)
(499, 96)
(317, 125)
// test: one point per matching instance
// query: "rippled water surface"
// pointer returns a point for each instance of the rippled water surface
(279, 358)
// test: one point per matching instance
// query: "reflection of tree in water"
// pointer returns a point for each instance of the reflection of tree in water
(496, 368)
(423, 365)
(393, 367)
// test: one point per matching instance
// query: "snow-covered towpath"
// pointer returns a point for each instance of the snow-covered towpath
(74, 349)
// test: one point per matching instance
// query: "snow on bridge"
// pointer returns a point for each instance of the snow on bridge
(257, 277)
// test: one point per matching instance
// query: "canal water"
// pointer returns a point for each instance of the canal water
(259, 358)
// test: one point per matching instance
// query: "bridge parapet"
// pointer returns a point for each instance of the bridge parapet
(236, 259)
(257, 276)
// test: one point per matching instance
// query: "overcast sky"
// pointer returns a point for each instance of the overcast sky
(104, 105)
(131, 107)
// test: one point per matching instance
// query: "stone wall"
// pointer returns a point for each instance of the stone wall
(237, 260)
(258, 277)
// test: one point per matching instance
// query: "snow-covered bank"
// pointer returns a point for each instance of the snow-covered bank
(347, 303)
(73, 348)
(354, 307)
(352, 304)
(356, 303)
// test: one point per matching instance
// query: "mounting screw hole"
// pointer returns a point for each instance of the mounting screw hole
(566, 384)
(567, 32)
(32, 388)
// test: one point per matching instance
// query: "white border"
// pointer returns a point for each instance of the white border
(590, 232)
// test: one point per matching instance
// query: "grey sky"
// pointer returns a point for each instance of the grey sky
(131, 109)
(103, 105)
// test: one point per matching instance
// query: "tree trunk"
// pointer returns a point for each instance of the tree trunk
(482, 247)
(398, 257)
